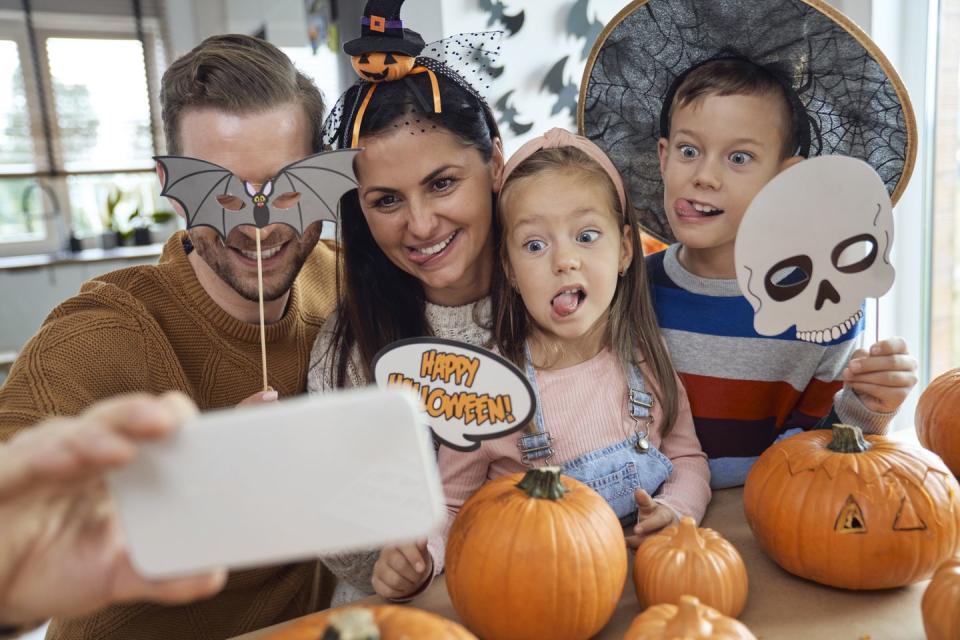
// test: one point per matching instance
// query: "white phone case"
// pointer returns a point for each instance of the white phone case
(273, 483)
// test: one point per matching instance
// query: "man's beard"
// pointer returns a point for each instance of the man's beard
(217, 256)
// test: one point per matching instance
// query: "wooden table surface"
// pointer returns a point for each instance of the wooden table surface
(780, 606)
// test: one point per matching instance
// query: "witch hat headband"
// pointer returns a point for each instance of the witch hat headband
(851, 98)
(387, 51)
(382, 30)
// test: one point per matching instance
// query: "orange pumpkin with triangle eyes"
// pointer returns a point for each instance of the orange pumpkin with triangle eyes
(851, 511)
(382, 66)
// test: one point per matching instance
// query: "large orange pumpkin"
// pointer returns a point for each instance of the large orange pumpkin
(850, 512)
(938, 418)
(535, 556)
(683, 559)
(688, 620)
(385, 622)
(941, 603)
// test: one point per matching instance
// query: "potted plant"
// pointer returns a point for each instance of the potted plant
(143, 224)
(163, 224)
(140, 228)
(112, 236)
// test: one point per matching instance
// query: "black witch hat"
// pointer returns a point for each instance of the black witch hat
(851, 98)
(381, 30)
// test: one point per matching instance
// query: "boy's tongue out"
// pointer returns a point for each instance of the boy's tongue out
(566, 302)
(690, 209)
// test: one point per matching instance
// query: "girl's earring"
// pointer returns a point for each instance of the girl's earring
(623, 272)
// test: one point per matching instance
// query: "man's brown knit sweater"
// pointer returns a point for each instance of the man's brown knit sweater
(154, 329)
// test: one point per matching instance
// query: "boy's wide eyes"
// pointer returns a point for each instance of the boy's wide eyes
(740, 157)
(588, 236)
(689, 151)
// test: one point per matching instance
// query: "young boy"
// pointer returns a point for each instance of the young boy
(731, 130)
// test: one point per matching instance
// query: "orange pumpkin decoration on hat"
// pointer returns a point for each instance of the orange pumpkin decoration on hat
(382, 66)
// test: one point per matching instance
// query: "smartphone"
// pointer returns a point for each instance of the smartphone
(274, 483)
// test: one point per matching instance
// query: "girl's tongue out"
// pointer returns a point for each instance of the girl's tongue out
(566, 302)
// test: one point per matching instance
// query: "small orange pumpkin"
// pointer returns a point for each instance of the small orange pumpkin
(684, 560)
(851, 512)
(941, 602)
(535, 556)
(938, 420)
(689, 620)
(382, 66)
(386, 622)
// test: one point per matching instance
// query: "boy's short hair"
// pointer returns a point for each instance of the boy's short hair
(237, 74)
(738, 77)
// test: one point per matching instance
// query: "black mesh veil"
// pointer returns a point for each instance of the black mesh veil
(855, 102)
(464, 58)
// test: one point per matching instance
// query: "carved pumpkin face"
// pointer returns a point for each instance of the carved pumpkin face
(852, 511)
(382, 66)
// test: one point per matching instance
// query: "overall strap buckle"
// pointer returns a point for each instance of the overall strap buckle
(535, 447)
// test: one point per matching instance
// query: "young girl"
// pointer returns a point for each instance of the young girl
(574, 312)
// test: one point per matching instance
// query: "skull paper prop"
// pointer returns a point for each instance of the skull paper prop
(812, 245)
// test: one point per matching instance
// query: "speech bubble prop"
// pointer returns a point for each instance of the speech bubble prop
(468, 394)
(813, 244)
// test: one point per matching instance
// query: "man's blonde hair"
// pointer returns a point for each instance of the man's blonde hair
(237, 74)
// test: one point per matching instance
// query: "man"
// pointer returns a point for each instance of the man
(64, 553)
(189, 323)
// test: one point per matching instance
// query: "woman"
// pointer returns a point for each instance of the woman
(417, 236)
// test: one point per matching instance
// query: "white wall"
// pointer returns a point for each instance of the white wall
(529, 55)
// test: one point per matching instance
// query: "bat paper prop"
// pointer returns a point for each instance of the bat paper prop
(497, 11)
(582, 26)
(509, 113)
(566, 92)
(211, 196)
(813, 244)
(301, 193)
(468, 394)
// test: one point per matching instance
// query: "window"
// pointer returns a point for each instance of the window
(945, 270)
(99, 83)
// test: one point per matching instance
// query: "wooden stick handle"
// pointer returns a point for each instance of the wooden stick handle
(263, 338)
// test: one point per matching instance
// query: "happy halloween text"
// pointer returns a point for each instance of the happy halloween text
(481, 408)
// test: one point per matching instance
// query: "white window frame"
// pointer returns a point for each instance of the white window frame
(56, 25)
(906, 32)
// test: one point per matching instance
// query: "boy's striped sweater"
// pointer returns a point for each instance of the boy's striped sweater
(746, 389)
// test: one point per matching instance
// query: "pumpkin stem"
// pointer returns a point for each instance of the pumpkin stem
(355, 623)
(543, 483)
(687, 534)
(688, 621)
(848, 439)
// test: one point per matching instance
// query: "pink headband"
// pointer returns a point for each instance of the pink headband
(562, 138)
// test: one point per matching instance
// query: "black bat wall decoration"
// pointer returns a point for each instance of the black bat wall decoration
(495, 8)
(508, 115)
(582, 26)
(211, 196)
(566, 92)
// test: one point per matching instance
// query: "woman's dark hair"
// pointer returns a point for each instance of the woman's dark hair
(379, 302)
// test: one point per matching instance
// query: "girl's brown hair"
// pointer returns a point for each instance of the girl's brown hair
(632, 325)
